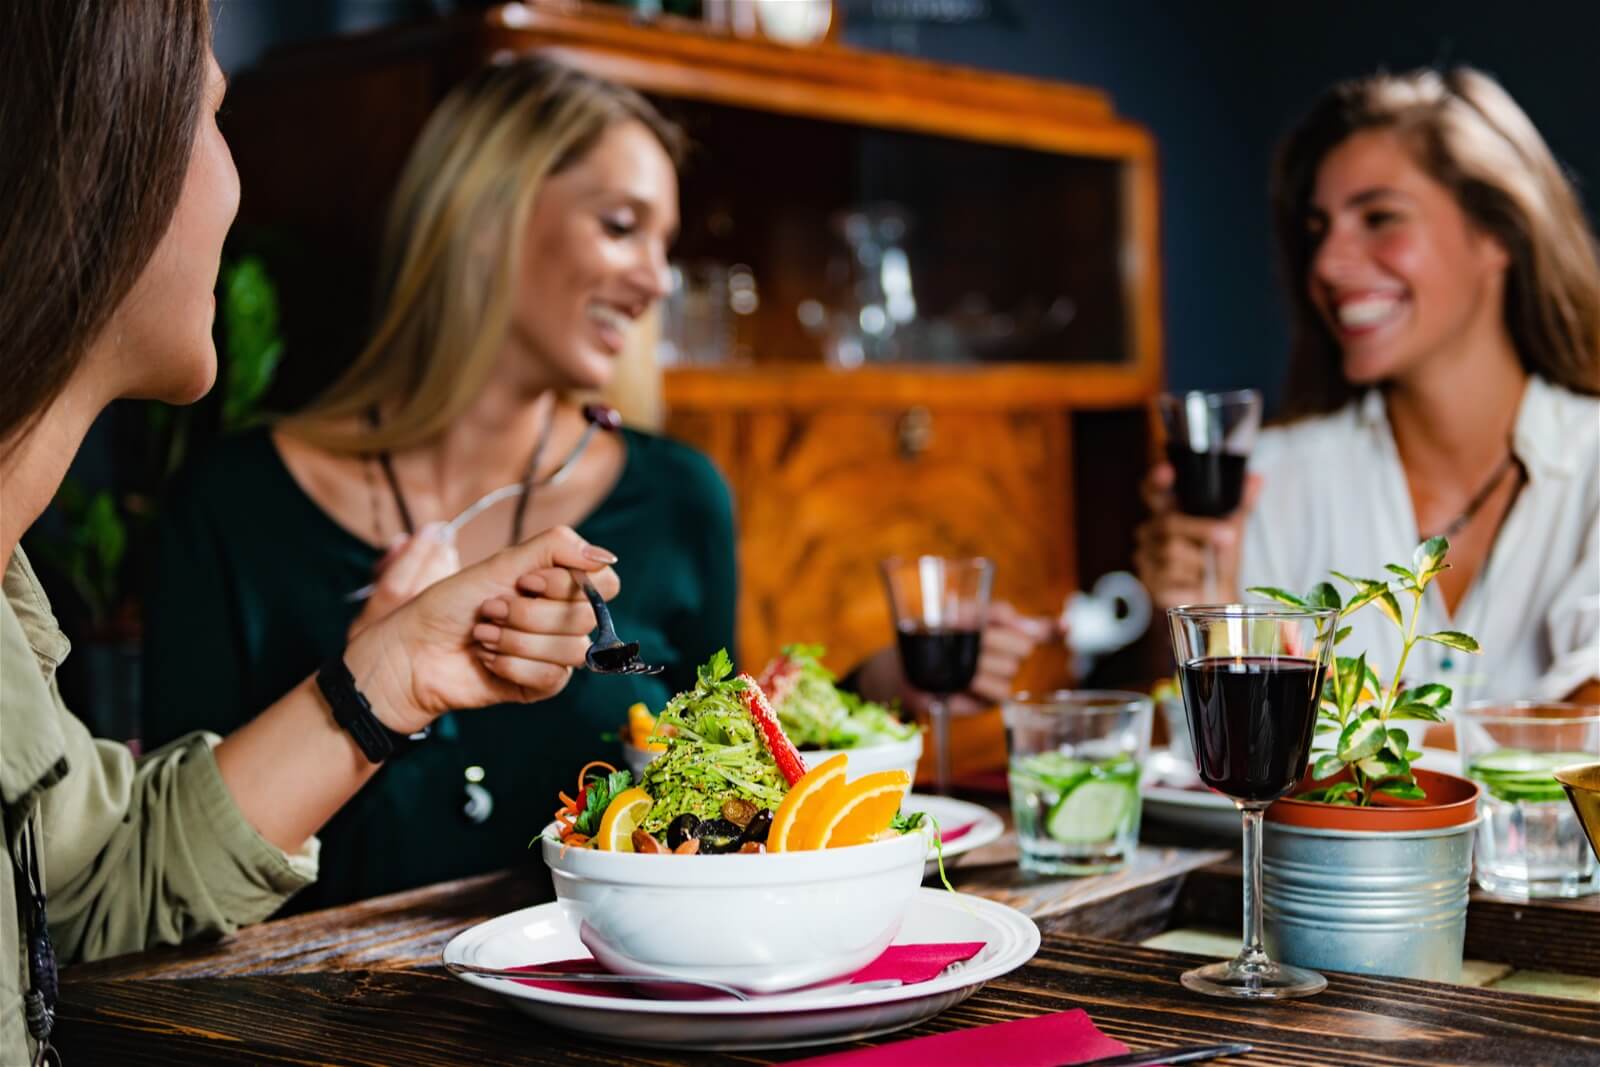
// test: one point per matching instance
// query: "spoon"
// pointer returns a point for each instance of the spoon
(609, 654)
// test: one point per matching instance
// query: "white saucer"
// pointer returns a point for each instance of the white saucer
(952, 814)
(811, 1017)
(1167, 801)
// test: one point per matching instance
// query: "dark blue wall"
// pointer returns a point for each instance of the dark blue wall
(1218, 81)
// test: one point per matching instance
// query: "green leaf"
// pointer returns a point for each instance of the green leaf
(1283, 596)
(1324, 595)
(1352, 676)
(1327, 727)
(1395, 568)
(1454, 639)
(1403, 790)
(1418, 712)
(1429, 555)
(1384, 765)
(1433, 694)
(715, 670)
(1413, 754)
(1340, 793)
(1390, 607)
(1312, 795)
(249, 316)
(1396, 744)
(1326, 767)
(1361, 738)
(1342, 633)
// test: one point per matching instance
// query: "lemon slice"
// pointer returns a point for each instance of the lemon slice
(622, 817)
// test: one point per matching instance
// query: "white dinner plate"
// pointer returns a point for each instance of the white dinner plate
(1168, 802)
(542, 934)
(951, 814)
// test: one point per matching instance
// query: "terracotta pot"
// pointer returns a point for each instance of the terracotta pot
(1451, 801)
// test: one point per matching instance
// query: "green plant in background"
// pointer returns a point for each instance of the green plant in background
(1356, 708)
(92, 552)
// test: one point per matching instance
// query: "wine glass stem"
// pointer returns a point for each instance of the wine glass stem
(939, 721)
(1253, 954)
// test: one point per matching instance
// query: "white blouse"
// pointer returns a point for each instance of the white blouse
(1335, 497)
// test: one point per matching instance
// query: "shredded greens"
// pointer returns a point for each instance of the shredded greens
(714, 752)
(818, 714)
(602, 790)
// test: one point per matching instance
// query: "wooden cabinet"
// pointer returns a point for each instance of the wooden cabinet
(1023, 195)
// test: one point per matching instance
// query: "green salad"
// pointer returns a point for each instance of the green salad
(714, 752)
(817, 714)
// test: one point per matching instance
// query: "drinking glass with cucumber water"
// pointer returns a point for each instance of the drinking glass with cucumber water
(1530, 843)
(1075, 759)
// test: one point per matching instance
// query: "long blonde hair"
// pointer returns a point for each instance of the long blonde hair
(1469, 135)
(452, 240)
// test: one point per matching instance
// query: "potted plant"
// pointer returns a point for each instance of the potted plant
(1367, 866)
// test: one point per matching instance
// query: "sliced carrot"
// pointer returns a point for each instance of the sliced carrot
(593, 763)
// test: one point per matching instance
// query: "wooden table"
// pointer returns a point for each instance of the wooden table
(362, 985)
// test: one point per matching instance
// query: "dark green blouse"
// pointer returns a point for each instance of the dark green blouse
(250, 600)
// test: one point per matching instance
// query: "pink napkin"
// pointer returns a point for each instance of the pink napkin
(909, 963)
(1044, 1041)
(947, 836)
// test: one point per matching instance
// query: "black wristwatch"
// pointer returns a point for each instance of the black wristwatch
(353, 711)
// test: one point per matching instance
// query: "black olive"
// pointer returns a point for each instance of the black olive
(756, 829)
(682, 829)
(718, 835)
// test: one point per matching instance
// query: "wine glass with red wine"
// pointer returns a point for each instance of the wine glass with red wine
(939, 607)
(1251, 677)
(1209, 440)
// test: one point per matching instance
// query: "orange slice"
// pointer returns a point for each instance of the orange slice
(857, 812)
(622, 816)
(815, 787)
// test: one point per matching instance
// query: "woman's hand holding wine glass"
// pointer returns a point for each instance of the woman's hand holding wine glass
(1170, 552)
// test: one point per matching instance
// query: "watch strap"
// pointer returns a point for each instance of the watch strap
(353, 712)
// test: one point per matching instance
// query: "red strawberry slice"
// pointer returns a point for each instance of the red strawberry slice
(790, 765)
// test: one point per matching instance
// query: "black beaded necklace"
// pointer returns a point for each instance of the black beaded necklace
(598, 417)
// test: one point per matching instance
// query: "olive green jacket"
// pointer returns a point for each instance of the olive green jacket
(134, 852)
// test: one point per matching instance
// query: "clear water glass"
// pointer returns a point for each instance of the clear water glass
(1530, 843)
(1075, 760)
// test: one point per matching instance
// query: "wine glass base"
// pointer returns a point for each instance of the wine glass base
(1256, 981)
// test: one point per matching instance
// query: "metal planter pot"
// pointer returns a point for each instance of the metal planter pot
(1387, 902)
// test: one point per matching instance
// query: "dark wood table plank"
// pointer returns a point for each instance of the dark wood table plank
(426, 1019)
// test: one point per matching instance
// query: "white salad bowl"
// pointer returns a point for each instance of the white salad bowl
(883, 756)
(763, 922)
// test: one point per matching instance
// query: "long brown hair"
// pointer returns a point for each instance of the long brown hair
(98, 104)
(453, 234)
(1467, 133)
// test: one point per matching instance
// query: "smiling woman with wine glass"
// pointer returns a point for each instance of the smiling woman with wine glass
(1446, 314)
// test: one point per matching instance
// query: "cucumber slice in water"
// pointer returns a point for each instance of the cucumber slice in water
(1092, 812)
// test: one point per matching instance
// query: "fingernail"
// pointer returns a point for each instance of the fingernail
(485, 655)
(486, 634)
(496, 609)
(435, 531)
(598, 554)
(397, 540)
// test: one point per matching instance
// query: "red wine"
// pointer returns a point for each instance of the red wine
(1251, 720)
(939, 661)
(1208, 484)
